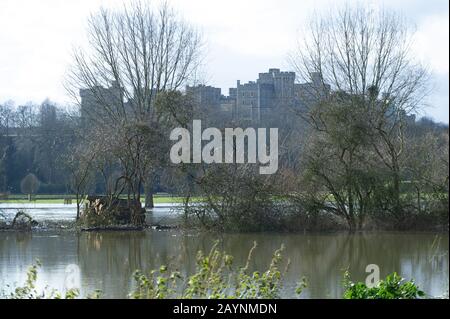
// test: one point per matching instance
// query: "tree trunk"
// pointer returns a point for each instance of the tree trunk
(78, 206)
(396, 186)
(149, 194)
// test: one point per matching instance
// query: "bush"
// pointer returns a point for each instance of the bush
(393, 287)
(104, 212)
(235, 199)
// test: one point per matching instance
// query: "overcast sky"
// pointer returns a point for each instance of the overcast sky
(244, 37)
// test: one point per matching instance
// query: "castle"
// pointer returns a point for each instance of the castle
(254, 101)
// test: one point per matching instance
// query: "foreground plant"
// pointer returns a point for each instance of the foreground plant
(393, 287)
(29, 290)
(215, 279)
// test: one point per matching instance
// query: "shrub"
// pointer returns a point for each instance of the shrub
(235, 199)
(393, 287)
(103, 211)
(215, 279)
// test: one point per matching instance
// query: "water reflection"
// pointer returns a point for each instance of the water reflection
(107, 260)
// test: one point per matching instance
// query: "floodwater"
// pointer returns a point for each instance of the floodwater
(107, 260)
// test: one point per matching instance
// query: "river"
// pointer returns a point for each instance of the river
(107, 260)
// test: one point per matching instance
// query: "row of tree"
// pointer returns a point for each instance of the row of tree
(32, 141)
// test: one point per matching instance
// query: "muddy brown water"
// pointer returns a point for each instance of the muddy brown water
(107, 260)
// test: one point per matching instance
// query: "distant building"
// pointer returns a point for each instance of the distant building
(257, 99)
(272, 93)
(254, 101)
(209, 102)
(310, 92)
(203, 95)
(92, 98)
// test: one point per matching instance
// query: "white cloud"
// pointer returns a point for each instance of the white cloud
(432, 44)
(243, 37)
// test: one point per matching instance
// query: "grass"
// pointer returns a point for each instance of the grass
(161, 198)
(38, 201)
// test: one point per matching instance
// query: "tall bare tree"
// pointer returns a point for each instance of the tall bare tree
(365, 56)
(140, 51)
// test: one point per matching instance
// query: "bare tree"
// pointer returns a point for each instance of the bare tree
(6, 118)
(365, 56)
(141, 51)
(79, 164)
(6, 122)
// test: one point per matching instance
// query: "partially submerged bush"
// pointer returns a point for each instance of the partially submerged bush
(102, 211)
(21, 222)
(393, 287)
(235, 198)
